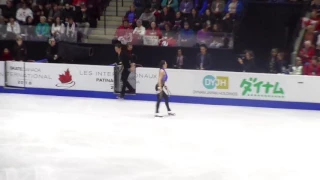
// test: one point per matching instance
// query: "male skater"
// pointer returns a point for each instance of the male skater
(124, 62)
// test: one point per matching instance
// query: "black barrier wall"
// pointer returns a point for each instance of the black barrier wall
(147, 56)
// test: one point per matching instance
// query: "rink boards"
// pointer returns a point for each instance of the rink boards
(186, 86)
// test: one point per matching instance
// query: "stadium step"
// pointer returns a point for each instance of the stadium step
(125, 4)
(112, 22)
(100, 31)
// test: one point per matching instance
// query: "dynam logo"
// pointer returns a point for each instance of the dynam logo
(219, 82)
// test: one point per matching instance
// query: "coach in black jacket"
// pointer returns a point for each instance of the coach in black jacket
(204, 59)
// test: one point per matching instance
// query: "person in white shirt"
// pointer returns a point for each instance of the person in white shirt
(139, 30)
(23, 13)
(13, 26)
(297, 69)
(57, 29)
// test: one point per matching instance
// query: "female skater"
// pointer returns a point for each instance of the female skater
(163, 77)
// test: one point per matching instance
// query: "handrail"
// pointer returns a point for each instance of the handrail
(105, 20)
(116, 7)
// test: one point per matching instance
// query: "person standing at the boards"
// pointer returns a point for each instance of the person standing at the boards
(124, 62)
(161, 94)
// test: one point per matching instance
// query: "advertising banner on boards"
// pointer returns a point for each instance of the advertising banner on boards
(60, 76)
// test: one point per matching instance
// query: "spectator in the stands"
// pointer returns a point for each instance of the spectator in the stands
(131, 15)
(156, 4)
(234, 7)
(147, 17)
(39, 11)
(187, 35)
(94, 15)
(185, 7)
(280, 65)
(167, 32)
(204, 36)
(13, 28)
(307, 52)
(19, 50)
(43, 28)
(216, 28)
(138, 32)
(140, 6)
(217, 7)
(314, 17)
(3, 28)
(154, 31)
(273, 61)
(312, 69)
(133, 58)
(204, 59)
(208, 16)
(315, 4)
(180, 58)
(168, 37)
(173, 5)
(67, 12)
(165, 17)
(310, 34)
(201, 6)
(58, 29)
(178, 22)
(23, 13)
(83, 17)
(29, 28)
(124, 33)
(52, 52)
(6, 55)
(54, 13)
(71, 30)
(8, 11)
(247, 63)
(297, 69)
(195, 20)
(228, 23)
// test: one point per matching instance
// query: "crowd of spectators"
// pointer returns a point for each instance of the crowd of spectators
(180, 23)
(308, 56)
(39, 20)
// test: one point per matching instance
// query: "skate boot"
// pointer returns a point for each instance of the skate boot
(170, 113)
(158, 115)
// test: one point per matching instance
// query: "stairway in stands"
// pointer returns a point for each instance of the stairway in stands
(112, 22)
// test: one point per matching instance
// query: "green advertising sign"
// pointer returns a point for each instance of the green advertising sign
(254, 87)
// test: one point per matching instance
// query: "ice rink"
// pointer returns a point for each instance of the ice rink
(64, 138)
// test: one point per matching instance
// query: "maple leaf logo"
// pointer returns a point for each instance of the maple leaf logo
(66, 80)
(66, 77)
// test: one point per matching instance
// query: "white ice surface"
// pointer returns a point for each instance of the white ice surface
(63, 138)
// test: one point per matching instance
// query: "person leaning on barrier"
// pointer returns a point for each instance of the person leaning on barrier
(52, 52)
(247, 62)
(19, 50)
(204, 59)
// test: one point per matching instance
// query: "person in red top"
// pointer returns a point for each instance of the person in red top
(312, 69)
(6, 56)
(154, 30)
(315, 18)
(124, 32)
(307, 52)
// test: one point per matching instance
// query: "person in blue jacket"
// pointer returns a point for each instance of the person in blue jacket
(201, 6)
(171, 4)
